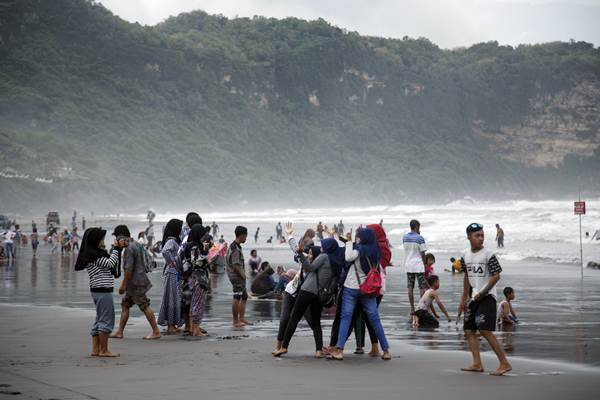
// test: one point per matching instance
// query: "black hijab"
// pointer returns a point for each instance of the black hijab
(172, 230)
(192, 219)
(197, 235)
(90, 248)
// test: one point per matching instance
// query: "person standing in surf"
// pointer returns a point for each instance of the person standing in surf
(237, 276)
(414, 261)
(482, 273)
(499, 236)
(170, 314)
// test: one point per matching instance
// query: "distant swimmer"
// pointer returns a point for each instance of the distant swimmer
(256, 235)
(499, 236)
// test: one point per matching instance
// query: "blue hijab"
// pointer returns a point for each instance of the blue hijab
(367, 248)
(336, 254)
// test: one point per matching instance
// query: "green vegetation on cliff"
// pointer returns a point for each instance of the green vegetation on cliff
(202, 109)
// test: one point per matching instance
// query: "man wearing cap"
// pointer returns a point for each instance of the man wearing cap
(135, 284)
(478, 301)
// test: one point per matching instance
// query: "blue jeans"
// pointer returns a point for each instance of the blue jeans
(9, 250)
(350, 298)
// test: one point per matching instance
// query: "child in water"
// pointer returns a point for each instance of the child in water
(505, 313)
(429, 261)
(422, 316)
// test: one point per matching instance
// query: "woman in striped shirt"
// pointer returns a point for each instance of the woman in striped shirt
(102, 269)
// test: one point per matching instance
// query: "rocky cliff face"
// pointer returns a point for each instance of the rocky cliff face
(566, 123)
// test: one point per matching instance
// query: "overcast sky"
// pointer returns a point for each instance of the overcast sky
(448, 23)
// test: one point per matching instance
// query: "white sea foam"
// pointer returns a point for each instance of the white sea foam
(543, 230)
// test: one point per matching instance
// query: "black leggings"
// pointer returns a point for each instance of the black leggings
(305, 301)
(286, 310)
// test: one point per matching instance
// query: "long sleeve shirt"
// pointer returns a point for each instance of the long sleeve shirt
(100, 272)
(352, 256)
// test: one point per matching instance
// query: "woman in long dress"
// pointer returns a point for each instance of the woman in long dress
(170, 308)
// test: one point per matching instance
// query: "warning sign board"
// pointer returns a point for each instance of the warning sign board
(579, 207)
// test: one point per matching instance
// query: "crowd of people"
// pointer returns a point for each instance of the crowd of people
(334, 268)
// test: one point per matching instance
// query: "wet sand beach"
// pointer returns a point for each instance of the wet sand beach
(44, 355)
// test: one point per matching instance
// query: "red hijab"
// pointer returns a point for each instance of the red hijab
(382, 242)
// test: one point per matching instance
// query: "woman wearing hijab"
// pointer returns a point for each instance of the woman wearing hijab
(361, 257)
(196, 260)
(102, 269)
(291, 291)
(361, 323)
(318, 275)
(170, 307)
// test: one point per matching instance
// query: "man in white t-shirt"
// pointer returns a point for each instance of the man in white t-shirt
(414, 261)
(482, 272)
(9, 248)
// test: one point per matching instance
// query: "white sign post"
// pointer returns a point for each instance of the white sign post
(580, 210)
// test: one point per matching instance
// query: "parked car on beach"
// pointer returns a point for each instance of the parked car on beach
(52, 218)
(4, 222)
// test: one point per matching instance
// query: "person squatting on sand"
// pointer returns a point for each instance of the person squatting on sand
(102, 269)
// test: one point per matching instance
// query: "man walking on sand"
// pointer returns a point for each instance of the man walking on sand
(237, 277)
(482, 272)
(414, 261)
(135, 284)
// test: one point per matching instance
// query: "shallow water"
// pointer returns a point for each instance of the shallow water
(559, 314)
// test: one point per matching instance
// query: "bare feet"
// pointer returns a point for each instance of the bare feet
(117, 335)
(94, 355)
(152, 336)
(238, 324)
(197, 332)
(172, 331)
(319, 354)
(386, 356)
(108, 354)
(502, 369)
(280, 352)
(246, 322)
(473, 368)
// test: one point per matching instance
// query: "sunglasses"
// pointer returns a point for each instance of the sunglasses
(475, 226)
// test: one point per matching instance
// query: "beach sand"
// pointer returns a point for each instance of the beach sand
(44, 355)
